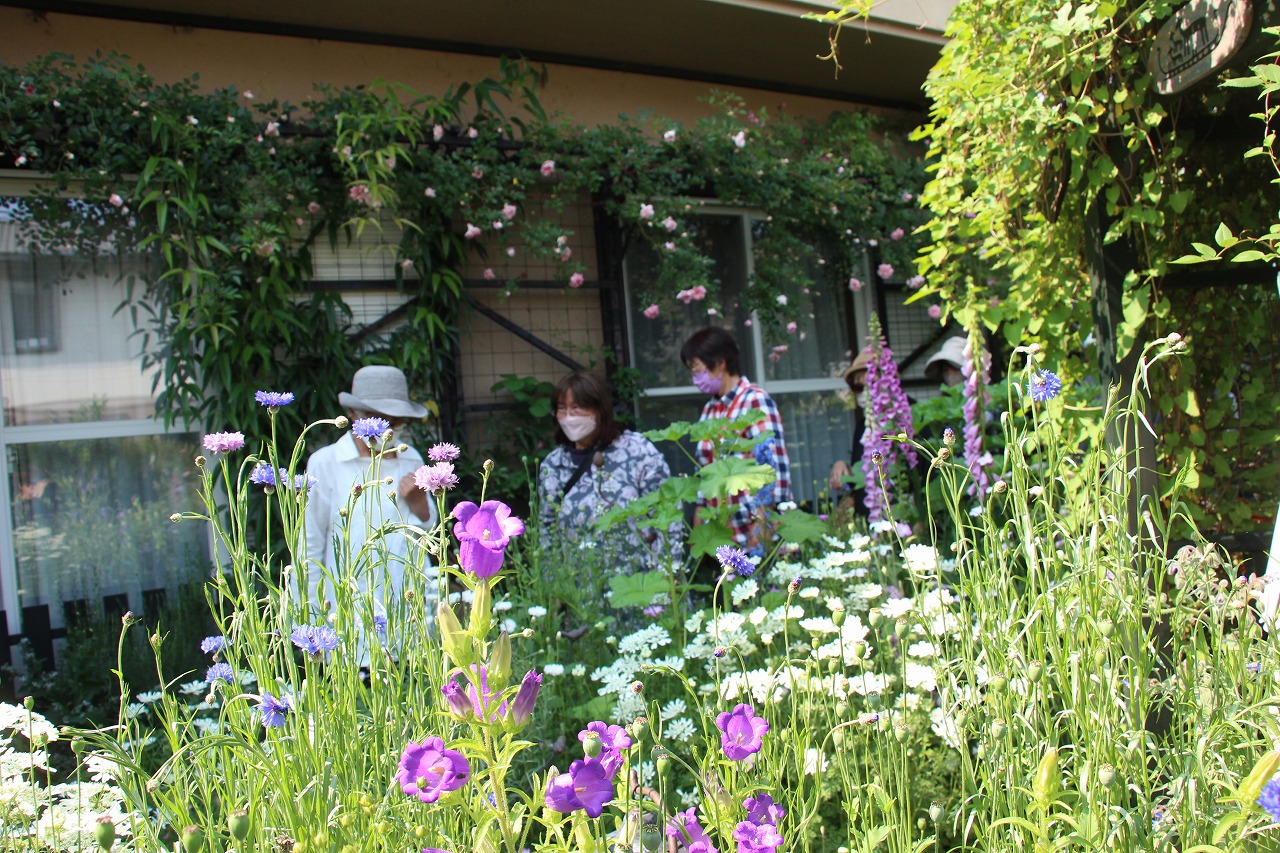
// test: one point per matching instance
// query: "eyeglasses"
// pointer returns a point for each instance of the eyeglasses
(571, 411)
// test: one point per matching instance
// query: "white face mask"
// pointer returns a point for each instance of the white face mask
(577, 427)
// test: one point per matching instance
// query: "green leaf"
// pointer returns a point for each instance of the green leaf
(672, 432)
(707, 537)
(733, 474)
(1223, 236)
(1249, 255)
(637, 590)
(797, 526)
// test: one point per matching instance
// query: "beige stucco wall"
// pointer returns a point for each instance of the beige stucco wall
(287, 68)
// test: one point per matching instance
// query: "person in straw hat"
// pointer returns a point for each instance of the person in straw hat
(855, 376)
(340, 522)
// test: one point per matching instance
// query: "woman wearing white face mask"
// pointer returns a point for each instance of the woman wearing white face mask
(596, 466)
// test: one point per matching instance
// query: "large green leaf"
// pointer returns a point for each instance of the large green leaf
(733, 474)
(798, 526)
(637, 590)
(707, 537)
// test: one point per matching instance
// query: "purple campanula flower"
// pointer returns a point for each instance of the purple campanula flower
(1044, 386)
(735, 560)
(458, 701)
(220, 672)
(653, 611)
(274, 399)
(223, 442)
(757, 837)
(370, 430)
(586, 786)
(315, 639)
(522, 705)
(762, 809)
(483, 533)
(977, 376)
(428, 770)
(481, 696)
(685, 827)
(273, 710)
(1269, 799)
(741, 732)
(213, 645)
(443, 452)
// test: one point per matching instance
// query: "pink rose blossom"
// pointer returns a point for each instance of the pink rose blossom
(855, 284)
(651, 312)
(669, 246)
(646, 211)
(509, 211)
(907, 196)
(669, 136)
(488, 273)
(272, 129)
(885, 271)
(746, 323)
(711, 312)
(406, 264)
(773, 356)
(791, 327)
(437, 133)
(498, 224)
(511, 251)
(669, 224)
(116, 200)
(472, 133)
(429, 192)
(740, 139)
(915, 282)
(477, 173)
(472, 232)
(548, 168)
(313, 207)
(935, 312)
(897, 234)
(576, 280)
(248, 96)
(780, 348)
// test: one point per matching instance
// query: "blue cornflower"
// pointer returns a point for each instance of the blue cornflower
(443, 452)
(1269, 799)
(213, 645)
(763, 452)
(263, 474)
(756, 551)
(735, 560)
(314, 639)
(380, 625)
(220, 672)
(1044, 386)
(1253, 667)
(304, 481)
(371, 429)
(274, 710)
(273, 399)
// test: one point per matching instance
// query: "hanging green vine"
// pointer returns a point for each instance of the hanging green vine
(1045, 114)
(228, 198)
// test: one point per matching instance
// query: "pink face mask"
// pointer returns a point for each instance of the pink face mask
(706, 383)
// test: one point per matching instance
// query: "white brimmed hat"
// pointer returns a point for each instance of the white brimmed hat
(952, 352)
(381, 389)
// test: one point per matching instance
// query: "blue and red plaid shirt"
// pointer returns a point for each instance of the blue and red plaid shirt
(742, 398)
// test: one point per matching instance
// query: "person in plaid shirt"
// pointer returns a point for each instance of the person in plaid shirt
(712, 356)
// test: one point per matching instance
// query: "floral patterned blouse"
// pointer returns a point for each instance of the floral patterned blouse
(617, 475)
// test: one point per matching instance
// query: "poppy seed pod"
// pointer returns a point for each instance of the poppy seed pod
(104, 832)
(192, 839)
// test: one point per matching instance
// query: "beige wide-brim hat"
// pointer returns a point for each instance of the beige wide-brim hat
(951, 353)
(859, 363)
(383, 390)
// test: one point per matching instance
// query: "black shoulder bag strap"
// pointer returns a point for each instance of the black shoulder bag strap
(582, 469)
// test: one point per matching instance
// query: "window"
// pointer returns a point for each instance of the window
(805, 381)
(91, 477)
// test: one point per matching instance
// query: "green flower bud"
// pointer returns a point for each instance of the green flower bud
(481, 610)
(458, 644)
(1047, 779)
(1262, 772)
(104, 832)
(500, 662)
(238, 824)
(1035, 671)
(192, 839)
